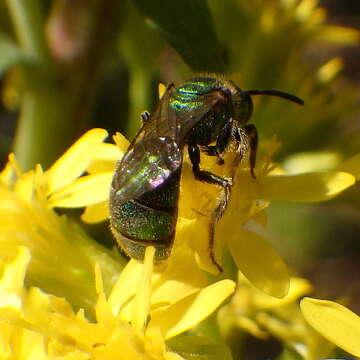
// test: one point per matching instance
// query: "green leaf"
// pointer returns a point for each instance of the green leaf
(10, 54)
(188, 27)
(193, 347)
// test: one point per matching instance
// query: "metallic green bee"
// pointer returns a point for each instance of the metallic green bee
(145, 189)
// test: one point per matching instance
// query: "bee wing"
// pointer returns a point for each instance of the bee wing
(156, 152)
(152, 156)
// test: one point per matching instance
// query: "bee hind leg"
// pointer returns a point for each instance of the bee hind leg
(206, 176)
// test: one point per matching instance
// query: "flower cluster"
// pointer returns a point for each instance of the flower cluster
(137, 309)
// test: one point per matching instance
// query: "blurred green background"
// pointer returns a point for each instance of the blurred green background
(67, 66)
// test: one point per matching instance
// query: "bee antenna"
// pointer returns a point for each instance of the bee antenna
(276, 93)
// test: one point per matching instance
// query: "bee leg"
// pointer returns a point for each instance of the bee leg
(252, 133)
(211, 150)
(222, 142)
(206, 176)
(145, 116)
(216, 216)
(202, 175)
(224, 137)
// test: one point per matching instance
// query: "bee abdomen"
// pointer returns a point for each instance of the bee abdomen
(147, 221)
(136, 226)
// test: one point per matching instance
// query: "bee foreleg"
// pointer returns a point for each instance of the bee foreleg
(222, 142)
(224, 137)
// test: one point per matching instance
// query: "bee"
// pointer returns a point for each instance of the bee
(205, 114)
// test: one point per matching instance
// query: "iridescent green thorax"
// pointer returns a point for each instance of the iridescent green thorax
(192, 95)
(188, 96)
(208, 98)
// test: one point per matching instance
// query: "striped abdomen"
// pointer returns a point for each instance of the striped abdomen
(148, 220)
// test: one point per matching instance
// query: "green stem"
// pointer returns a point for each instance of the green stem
(42, 127)
(30, 140)
(139, 95)
(56, 102)
(28, 24)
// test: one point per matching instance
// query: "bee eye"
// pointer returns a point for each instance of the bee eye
(244, 107)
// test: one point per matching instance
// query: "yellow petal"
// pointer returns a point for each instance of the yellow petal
(161, 89)
(173, 356)
(24, 186)
(99, 284)
(121, 142)
(330, 69)
(103, 310)
(154, 342)
(125, 287)
(196, 233)
(12, 280)
(170, 282)
(177, 282)
(259, 262)
(261, 218)
(298, 288)
(306, 162)
(83, 191)
(105, 159)
(352, 166)
(75, 161)
(305, 9)
(7, 175)
(339, 34)
(308, 187)
(141, 304)
(335, 322)
(258, 212)
(252, 327)
(96, 212)
(189, 311)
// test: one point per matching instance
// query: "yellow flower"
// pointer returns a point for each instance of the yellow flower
(335, 322)
(55, 242)
(62, 264)
(264, 316)
(251, 252)
(133, 322)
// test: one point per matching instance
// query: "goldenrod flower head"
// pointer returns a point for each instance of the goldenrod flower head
(121, 329)
(63, 256)
(250, 197)
(174, 298)
(62, 262)
(61, 186)
(265, 316)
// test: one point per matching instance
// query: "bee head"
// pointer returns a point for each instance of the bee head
(243, 104)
